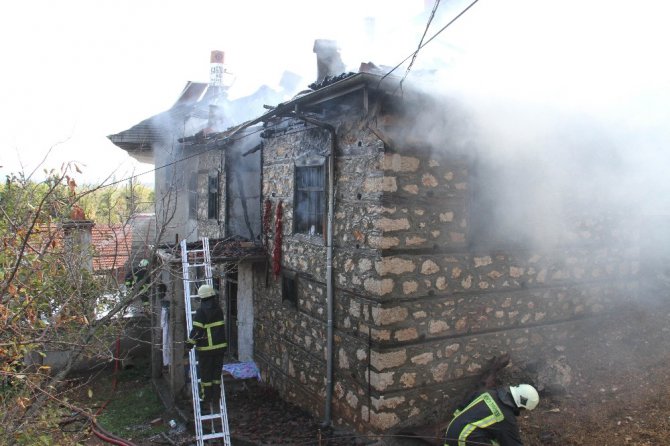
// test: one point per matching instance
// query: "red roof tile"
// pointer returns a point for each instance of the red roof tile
(112, 246)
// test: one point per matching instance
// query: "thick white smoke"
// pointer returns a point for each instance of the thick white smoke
(567, 105)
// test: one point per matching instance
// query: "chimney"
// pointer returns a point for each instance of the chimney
(216, 68)
(77, 241)
(328, 61)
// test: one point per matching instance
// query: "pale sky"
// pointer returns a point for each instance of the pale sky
(75, 71)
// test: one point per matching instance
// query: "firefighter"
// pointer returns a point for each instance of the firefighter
(209, 339)
(139, 277)
(489, 417)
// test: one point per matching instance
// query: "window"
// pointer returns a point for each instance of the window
(289, 288)
(193, 197)
(213, 196)
(310, 198)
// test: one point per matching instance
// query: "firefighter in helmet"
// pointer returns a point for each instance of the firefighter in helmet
(489, 416)
(209, 339)
(138, 278)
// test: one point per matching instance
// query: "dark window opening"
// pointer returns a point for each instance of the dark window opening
(310, 199)
(213, 196)
(193, 197)
(289, 289)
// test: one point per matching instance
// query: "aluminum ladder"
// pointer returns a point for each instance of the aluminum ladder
(196, 271)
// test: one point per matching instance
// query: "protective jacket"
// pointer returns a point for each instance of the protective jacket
(488, 417)
(208, 335)
(135, 277)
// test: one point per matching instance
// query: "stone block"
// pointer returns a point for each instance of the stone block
(384, 420)
(387, 316)
(406, 334)
(394, 265)
(383, 242)
(423, 358)
(378, 287)
(398, 163)
(381, 381)
(382, 361)
(391, 224)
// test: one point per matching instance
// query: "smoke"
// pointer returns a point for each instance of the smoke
(563, 105)
(565, 112)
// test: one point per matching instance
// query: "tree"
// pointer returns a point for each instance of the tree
(115, 204)
(49, 301)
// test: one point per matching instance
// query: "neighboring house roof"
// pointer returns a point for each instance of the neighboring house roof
(193, 101)
(112, 246)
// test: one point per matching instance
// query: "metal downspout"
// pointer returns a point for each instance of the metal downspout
(329, 278)
(329, 265)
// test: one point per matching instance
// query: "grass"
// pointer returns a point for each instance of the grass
(132, 407)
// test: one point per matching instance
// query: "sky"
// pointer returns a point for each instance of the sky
(75, 71)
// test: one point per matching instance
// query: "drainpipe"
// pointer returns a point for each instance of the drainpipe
(329, 264)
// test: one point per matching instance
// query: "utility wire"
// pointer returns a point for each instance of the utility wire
(412, 56)
(229, 139)
(193, 155)
(421, 46)
(425, 31)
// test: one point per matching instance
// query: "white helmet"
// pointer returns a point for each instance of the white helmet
(206, 291)
(525, 396)
(144, 263)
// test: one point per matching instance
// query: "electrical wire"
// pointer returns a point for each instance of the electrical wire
(425, 31)
(193, 155)
(412, 56)
(421, 46)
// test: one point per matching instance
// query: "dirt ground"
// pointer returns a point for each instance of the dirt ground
(624, 362)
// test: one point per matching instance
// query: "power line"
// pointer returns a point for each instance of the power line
(425, 31)
(193, 155)
(421, 46)
(412, 56)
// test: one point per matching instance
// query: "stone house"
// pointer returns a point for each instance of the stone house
(393, 292)
(381, 288)
(198, 194)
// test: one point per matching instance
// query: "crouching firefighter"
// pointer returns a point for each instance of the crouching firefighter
(209, 339)
(489, 417)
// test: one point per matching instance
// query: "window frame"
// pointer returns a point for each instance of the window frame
(302, 223)
(213, 197)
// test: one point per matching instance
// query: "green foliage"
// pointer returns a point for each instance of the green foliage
(43, 430)
(48, 299)
(115, 204)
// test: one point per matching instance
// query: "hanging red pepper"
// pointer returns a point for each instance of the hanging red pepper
(276, 250)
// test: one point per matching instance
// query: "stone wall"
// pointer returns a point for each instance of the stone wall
(239, 205)
(210, 163)
(419, 310)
